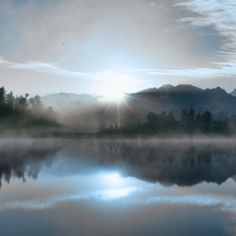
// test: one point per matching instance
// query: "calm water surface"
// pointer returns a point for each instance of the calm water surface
(117, 187)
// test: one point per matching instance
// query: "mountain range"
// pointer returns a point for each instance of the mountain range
(176, 98)
(91, 112)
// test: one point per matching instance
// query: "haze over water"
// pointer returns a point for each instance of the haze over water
(117, 187)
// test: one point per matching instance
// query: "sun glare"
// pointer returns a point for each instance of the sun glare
(113, 178)
(116, 186)
(115, 95)
(115, 85)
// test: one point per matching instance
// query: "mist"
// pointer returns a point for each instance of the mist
(184, 162)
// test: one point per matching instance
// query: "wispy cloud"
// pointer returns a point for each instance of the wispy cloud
(220, 15)
(226, 70)
(215, 13)
(43, 67)
(200, 13)
(223, 70)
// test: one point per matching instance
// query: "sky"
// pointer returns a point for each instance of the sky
(92, 46)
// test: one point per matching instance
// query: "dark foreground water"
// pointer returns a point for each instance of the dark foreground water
(117, 187)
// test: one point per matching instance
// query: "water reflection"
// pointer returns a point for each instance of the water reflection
(24, 157)
(118, 187)
(165, 162)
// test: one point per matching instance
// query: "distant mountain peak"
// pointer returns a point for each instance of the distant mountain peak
(166, 87)
(67, 99)
(68, 95)
(170, 88)
(218, 90)
(184, 87)
(233, 93)
(149, 90)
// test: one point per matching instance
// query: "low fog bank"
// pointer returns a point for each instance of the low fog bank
(85, 113)
(197, 109)
(183, 162)
(168, 111)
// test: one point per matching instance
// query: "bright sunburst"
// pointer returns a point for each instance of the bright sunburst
(115, 85)
(116, 95)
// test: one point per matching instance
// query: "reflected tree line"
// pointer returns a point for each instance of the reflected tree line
(189, 122)
(168, 163)
(24, 159)
(23, 111)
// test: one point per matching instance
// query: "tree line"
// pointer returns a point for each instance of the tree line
(189, 122)
(24, 110)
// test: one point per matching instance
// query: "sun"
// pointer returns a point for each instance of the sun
(115, 95)
(115, 85)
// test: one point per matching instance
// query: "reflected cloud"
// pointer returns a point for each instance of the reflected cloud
(222, 202)
(107, 195)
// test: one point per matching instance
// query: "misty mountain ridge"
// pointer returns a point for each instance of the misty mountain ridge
(176, 98)
(69, 102)
(68, 98)
(85, 111)
(168, 88)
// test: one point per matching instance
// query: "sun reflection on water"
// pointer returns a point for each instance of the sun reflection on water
(117, 193)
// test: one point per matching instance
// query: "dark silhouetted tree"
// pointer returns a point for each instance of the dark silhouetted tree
(2, 96)
(207, 121)
(10, 100)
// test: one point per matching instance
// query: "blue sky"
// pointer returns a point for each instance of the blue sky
(52, 46)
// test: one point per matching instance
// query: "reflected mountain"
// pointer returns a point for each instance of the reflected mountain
(169, 162)
(180, 163)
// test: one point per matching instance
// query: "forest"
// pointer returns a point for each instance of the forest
(24, 112)
(189, 122)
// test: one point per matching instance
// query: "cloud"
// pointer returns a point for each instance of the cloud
(224, 203)
(227, 70)
(220, 15)
(55, 69)
(105, 195)
(42, 67)
(81, 35)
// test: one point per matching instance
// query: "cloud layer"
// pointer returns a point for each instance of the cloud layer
(177, 41)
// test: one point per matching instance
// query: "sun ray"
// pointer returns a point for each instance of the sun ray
(115, 85)
(118, 114)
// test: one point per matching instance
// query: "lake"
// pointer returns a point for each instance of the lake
(118, 187)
